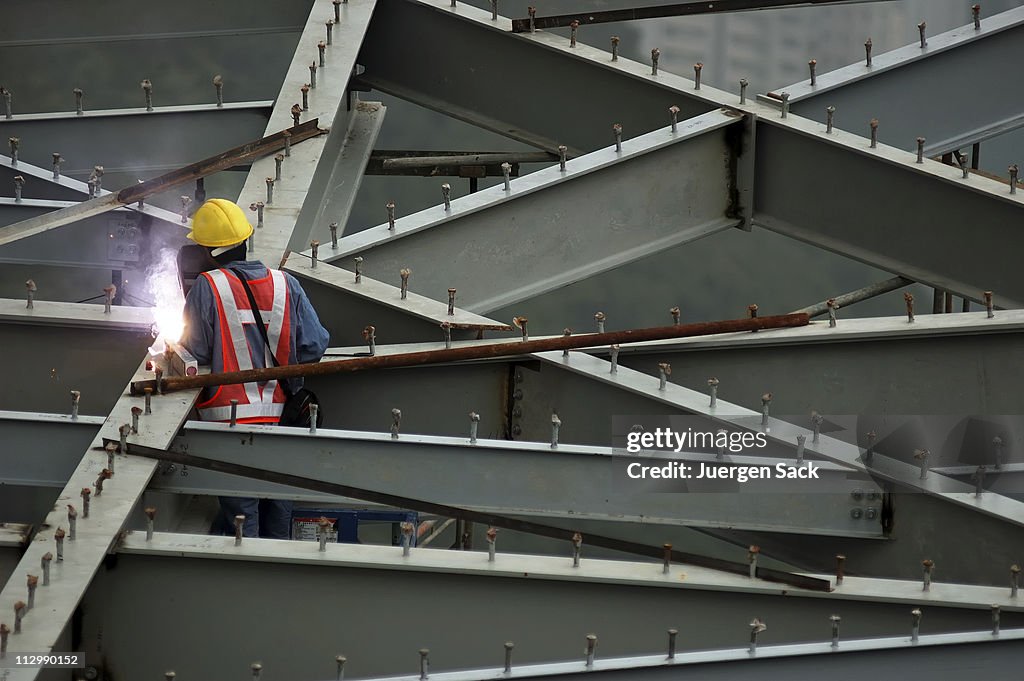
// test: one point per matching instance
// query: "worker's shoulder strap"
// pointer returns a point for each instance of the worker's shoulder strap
(256, 315)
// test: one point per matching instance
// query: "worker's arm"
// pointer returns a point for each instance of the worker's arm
(311, 338)
(198, 314)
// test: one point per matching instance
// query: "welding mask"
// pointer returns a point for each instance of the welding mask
(193, 260)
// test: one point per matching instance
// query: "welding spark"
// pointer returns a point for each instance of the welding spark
(164, 290)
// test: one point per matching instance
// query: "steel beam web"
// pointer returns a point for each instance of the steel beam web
(908, 89)
(493, 233)
(828, 448)
(220, 461)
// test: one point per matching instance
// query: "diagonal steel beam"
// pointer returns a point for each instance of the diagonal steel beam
(543, 604)
(946, 656)
(494, 79)
(328, 170)
(131, 194)
(135, 140)
(41, 184)
(531, 479)
(887, 210)
(681, 9)
(908, 89)
(789, 165)
(345, 305)
(513, 245)
(95, 534)
(858, 366)
(831, 449)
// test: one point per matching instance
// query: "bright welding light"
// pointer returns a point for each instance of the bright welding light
(164, 289)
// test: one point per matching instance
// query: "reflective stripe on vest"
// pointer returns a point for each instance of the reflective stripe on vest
(253, 403)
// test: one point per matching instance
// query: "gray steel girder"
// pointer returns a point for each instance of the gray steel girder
(949, 657)
(318, 172)
(65, 439)
(543, 604)
(512, 245)
(876, 206)
(493, 78)
(58, 347)
(909, 89)
(956, 364)
(942, 525)
(532, 479)
(96, 533)
(134, 140)
(93, 244)
(107, 52)
(345, 306)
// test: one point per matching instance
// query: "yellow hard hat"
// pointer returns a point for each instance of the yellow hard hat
(219, 222)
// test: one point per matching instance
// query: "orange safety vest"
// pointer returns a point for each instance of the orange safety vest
(257, 403)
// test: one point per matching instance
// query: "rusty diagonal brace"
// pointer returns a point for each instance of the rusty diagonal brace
(490, 351)
(443, 510)
(187, 174)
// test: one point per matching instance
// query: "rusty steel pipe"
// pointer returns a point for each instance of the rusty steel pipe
(509, 349)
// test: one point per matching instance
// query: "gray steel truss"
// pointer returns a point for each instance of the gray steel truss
(127, 135)
(529, 478)
(516, 244)
(544, 604)
(483, 73)
(944, 657)
(342, 303)
(737, 165)
(905, 88)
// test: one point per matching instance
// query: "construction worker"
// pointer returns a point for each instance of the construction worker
(221, 331)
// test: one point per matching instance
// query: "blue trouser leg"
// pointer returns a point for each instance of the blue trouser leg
(275, 518)
(250, 508)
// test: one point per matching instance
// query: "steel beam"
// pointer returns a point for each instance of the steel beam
(57, 347)
(904, 88)
(94, 244)
(132, 194)
(346, 306)
(134, 140)
(784, 433)
(344, 168)
(473, 78)
(530, 479)
(888, 211)
(680, 9)
(944, 659)
(96, 533)
(292, 219)
(907, 369)
(67, 188)
(513, 245)
(814, 367)
(66, 438)
(544, 604)
(62, 51)
(990, 520)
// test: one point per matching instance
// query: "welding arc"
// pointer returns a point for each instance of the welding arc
(683, 9)
(443, 510)
(506, 349)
